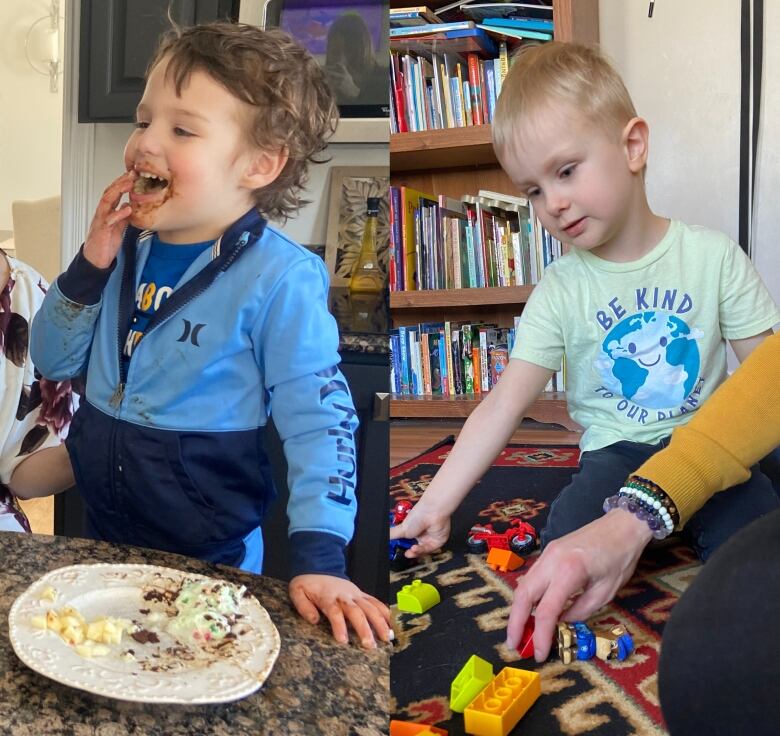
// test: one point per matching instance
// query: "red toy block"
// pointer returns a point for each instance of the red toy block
(503, 560)
(526, 646)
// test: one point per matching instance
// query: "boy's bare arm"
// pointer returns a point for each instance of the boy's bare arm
(484, 435)
(43, 473)
(743, 348)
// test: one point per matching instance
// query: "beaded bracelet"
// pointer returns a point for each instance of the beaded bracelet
(657, 525)
(643, 484)
(650, 503)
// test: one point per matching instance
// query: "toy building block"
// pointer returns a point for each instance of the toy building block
(614, 643)
(526, 646)
(470, 682)
(417, 597)
(503, 560)
(498, 708)
(406, 728)
(575, 641)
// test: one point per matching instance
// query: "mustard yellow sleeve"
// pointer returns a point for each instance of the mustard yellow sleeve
(737, 426)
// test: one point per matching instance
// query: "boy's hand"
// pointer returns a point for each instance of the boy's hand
(105, 231)
(341, 601)
(594, 562)
(430, 528)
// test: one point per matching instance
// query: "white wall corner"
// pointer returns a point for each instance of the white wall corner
(78, 149)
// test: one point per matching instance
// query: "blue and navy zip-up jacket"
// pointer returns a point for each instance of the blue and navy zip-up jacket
(167, 450)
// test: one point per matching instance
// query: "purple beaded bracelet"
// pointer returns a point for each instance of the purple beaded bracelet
(641, 511)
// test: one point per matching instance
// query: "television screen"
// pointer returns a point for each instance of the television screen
(349, 38)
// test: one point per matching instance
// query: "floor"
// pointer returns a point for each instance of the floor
(412, 437)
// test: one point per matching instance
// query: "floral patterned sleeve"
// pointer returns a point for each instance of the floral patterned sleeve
(34, 412)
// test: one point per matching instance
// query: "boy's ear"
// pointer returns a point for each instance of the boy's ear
(263, 168)
(635, 140)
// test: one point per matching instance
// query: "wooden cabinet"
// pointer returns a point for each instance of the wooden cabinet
(459, 161)
(116, 42)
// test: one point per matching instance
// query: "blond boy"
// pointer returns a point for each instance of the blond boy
(641, 306)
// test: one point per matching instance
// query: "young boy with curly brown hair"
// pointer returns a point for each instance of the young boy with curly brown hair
(195, 320)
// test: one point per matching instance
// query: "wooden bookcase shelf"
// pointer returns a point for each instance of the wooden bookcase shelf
(459, 161)
(434, 149)
(459, 297)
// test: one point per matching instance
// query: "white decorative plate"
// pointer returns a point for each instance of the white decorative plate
(163, 671)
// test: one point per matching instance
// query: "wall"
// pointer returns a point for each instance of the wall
(309, 227)
(682, 68)
(30, 115)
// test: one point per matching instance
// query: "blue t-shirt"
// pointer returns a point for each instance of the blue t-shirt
(164, 267)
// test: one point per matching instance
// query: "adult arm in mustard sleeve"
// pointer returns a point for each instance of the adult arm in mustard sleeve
(737, 426)
(734, 429)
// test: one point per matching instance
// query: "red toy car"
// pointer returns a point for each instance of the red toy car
(520, 537)
(400, 511)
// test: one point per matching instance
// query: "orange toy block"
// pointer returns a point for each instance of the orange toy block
(405, 728)
(498, 708)
(504, 560)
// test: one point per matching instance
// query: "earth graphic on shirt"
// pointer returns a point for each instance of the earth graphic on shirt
(651, 358)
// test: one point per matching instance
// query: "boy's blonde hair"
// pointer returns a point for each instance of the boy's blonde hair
(566, 74)
(293, 109)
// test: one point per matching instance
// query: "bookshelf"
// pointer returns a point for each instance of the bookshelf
(454, 162)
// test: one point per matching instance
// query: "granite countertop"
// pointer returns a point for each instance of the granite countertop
(363, 320)
(316, 686)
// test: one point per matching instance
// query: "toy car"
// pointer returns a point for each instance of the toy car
(520, 537)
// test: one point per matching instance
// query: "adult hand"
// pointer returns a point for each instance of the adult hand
(594, 562)
(427, 525)
(341, 601)
(104, 237)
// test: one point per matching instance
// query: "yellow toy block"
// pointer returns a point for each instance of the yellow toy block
(470, 682)
(417, 597)
(504, 560)
(498, 708)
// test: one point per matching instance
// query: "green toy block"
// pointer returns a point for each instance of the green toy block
(417, 597)
(469, 683)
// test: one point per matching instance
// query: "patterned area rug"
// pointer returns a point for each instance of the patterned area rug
(601, 698)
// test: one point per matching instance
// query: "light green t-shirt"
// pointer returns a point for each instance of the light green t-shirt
(644, 341)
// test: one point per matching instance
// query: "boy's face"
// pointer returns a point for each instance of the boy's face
(577, 177)
(196, 146)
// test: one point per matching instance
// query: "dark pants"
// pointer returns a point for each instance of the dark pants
(602, 473)
(720, 656)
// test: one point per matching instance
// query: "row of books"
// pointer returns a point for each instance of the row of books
(440, 91)
(491, 239)
(452, 359)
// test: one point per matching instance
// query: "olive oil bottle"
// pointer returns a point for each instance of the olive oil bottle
(367, 276)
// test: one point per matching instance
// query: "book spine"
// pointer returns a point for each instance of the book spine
(403, 341)
(476, 362)
(457, 103)
(490, 81)
(484, 372)
(395, 363)
(445, 376)
(476, 88)
(448, 358)
(503, 59)
(468, 362)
